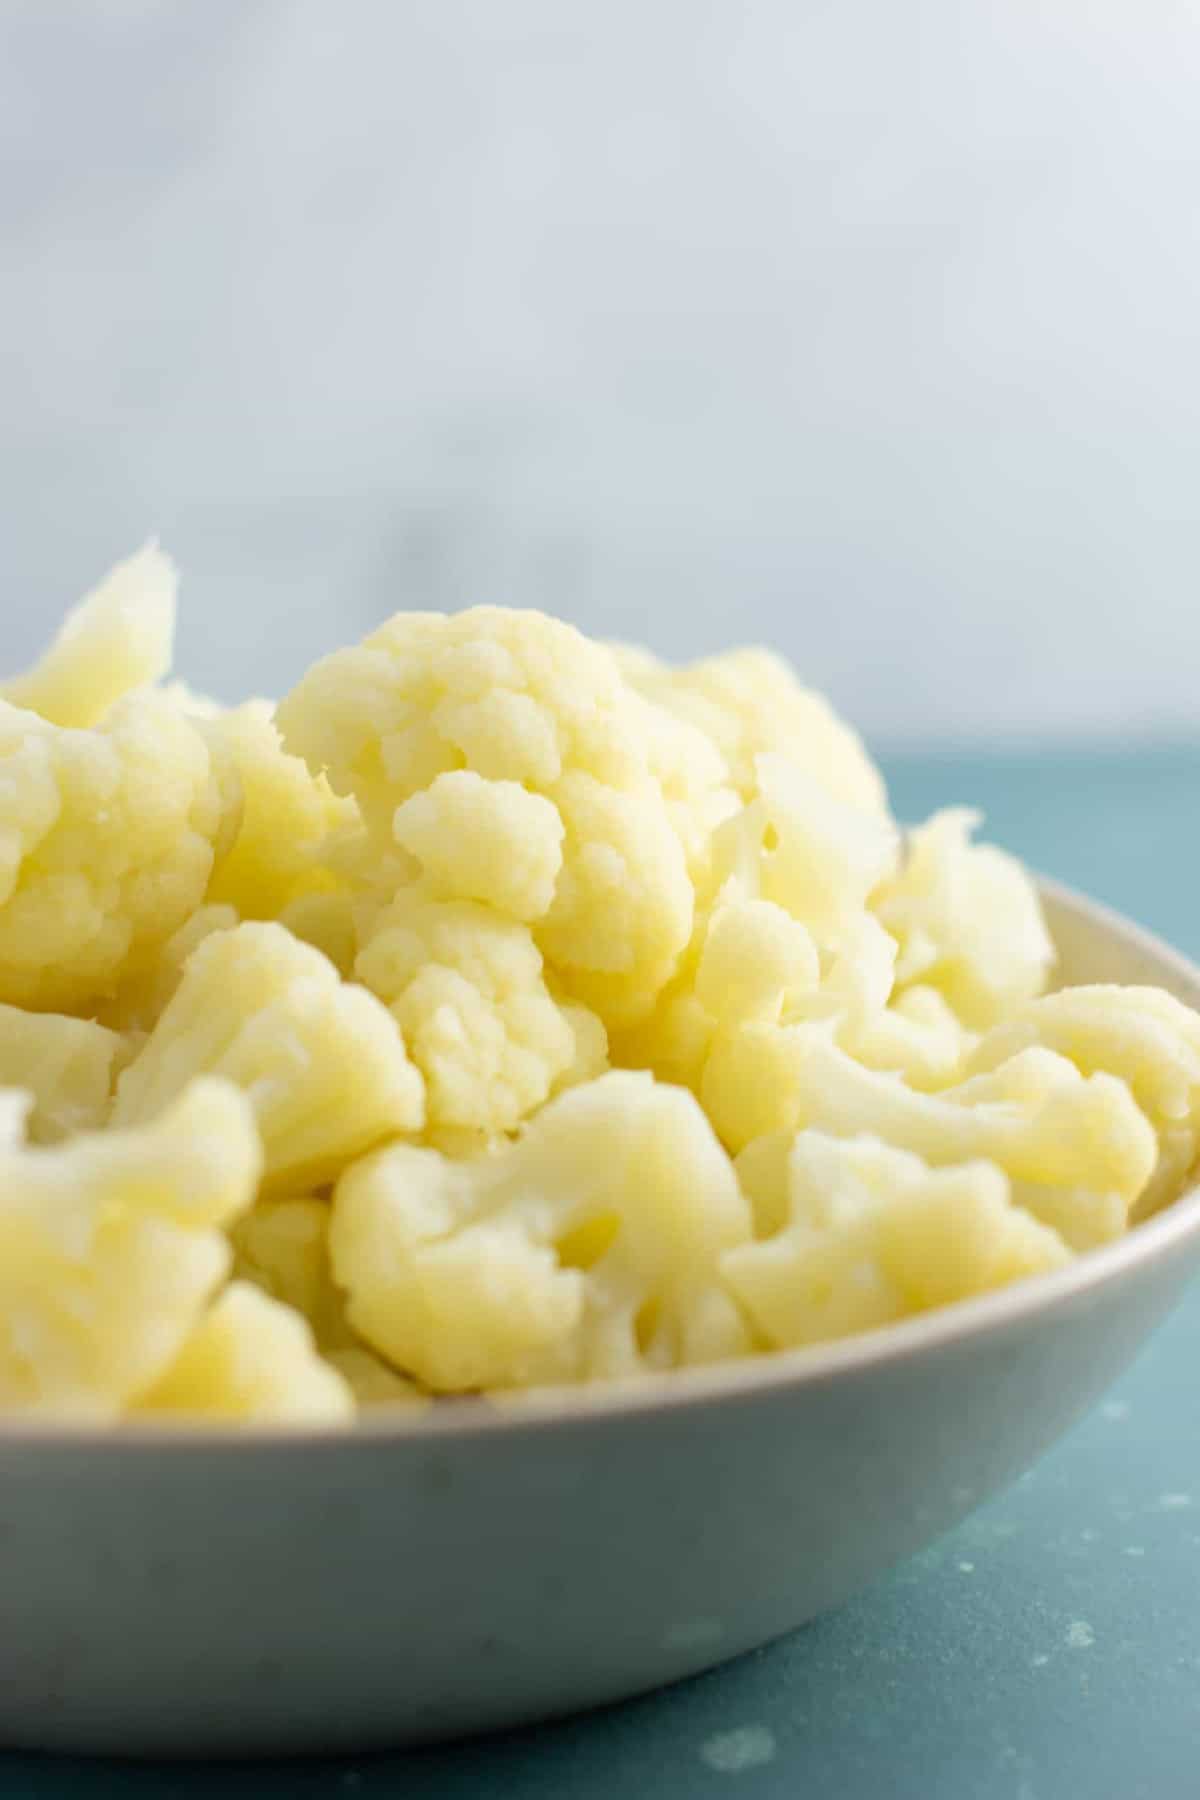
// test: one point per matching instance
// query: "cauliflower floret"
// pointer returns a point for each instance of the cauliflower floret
(484, 840)
(623, 904)
(118, 638)
(282, 1247)
(322, 1061)
(67, 1066)
(1080, 1146)
(785, 933)
(252, 1359)
(748, 701)
(585, 1250)
(467, 989)
(517, 698)
(813, 855)
(110, 1247)
(864, 1234)
(968, 921)
(327, 921)
(107, 841)
(1145, 1036)
(287, 819)
(373, 1383)
(917, 1035)
(140, 1000)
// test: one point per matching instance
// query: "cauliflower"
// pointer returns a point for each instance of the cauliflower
(535, 713)
(108, 838)
(813, 855)
(864, 1234)
(1145, 1036)
(373, 1383)
(917, 1035)
(112, 1247)
(967, 920)
(327, 921)
(1080, 1146)
(282, 1248)
(484, 840)
(251, 1359)
(67, 1066)
(322, 1062)
(118, 638)
(535, 856)
(586, 1250)
(140, 1000)
(785, 934)
(287, 820)
(467, 988)
(749, 701)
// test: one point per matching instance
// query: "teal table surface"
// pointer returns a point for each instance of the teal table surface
(1050, 1648)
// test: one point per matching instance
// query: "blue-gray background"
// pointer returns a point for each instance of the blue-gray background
(868, 329)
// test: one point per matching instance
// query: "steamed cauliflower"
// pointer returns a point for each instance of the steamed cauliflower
(251, 1359)
(1035, 1115)
(112, 1248)
(66, 1066)
(967, 920)
(118, 638)
(586, 1250)
(108, 838)
(139, 1002)
(281, 1247)
(467, 988)
(396, 1042)
(286, 820)
(863, 1234)
(322, 1062)
(552, 733)
(747, 702)
(1142, 1035)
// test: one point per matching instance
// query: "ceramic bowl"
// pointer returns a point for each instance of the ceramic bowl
(212, 1593)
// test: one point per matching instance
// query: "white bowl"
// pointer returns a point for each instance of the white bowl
(207, 1592)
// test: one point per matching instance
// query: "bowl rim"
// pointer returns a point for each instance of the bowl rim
(748, 1378)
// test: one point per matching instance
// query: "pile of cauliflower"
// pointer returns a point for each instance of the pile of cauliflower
(505, 1009)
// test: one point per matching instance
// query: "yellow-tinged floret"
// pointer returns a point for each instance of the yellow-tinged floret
(110, 1247)
(282, 1248)
(374, 1383)
(251, 1359)
(864, 1233)
(322, 1061)
(812, 854)
(327, 921)
(108, 838)
(67, 1067)
(968, 921)
(138, 1003)
(587, 1249)
(749, 701)
(119, 637)
(1035, 1115)
(484, 840)
(467, 988)
(1142, 1034)
(288, 818)
(518, 698)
